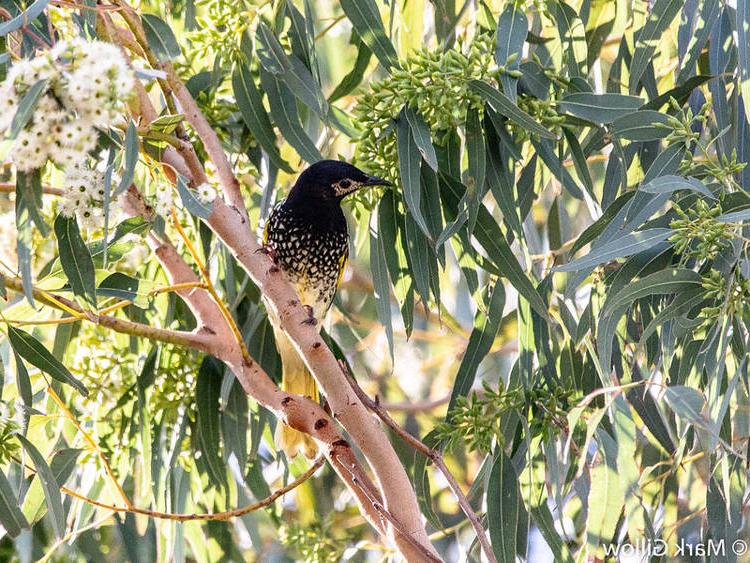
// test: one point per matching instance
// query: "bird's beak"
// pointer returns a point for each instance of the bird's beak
(375, 181)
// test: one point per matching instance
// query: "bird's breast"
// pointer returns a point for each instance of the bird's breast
(311, 258)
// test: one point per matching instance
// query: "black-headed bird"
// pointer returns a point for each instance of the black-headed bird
(307, 236)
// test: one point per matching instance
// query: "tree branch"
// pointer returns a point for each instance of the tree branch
(226, 515)
(195, 340)
(436, 458)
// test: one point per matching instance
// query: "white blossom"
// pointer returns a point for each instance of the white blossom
(206, 192)
(88, 83)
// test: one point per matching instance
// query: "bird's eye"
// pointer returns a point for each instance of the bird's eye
(344, 184)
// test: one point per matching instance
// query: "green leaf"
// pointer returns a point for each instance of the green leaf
(512, 27)
(419, 256)
(355, 76)
(477, 171)
(545, 149)
(207, 393)
(598, 226)
(639, 126)
(408, 164)
(26, 108)
(606, 496)
(250, 103)
(119, 285)
(670, 183)
(34, 352)
(708, 15)
(573, 38)
(49, 484)
(422, 481)
(506, 514)
(421, 133)
(599, 108)
(504, 106)
(75, 259)
(191, 202)
(11, 516)
(647, 38)
(131, 147)
(680, 93)
(486, 324)
(686, 402)
(381, 284)
(365, 18)
(491, 238)
(620, 247)
(24, 18)
(29, 198)
(284, 112)
(290, 69)
(664, 282)
(160, 38)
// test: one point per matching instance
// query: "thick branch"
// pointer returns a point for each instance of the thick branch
(436, 458)
(399, 497)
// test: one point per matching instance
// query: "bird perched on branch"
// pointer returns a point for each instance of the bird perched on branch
(307, 237)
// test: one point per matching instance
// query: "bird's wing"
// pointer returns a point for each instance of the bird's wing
(342, 266)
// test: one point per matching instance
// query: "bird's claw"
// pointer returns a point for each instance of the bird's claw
(269, 251)
(310, 320)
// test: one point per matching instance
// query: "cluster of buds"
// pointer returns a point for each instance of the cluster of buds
(436, 84)
(731, 295)
(543, 111)
(86, 83)
(698, 233)
(681, 125)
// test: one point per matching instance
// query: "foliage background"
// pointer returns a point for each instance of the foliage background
(554, 294)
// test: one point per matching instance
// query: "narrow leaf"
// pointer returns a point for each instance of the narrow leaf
(34, 352)
(160, 38)
(131, 148)
(647, 38)
(11, 516)
(24, 18)
(250, 103)
(504, 106)
(191, 201)
(599, 108)
(365, 18)
(506, 515)
(421, 133)
(486, 325)
(49, 484)
(75, 259)
(618, 248)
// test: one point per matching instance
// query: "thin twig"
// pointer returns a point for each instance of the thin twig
(124, 326)
(226, 515)
(10, 187)
(436, 458)
(92, 443)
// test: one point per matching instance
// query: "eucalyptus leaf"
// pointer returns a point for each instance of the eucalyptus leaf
(160, 38)
(34, 352)
(365, 18)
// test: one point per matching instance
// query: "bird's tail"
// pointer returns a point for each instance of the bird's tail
(295, 379)
(298, 382)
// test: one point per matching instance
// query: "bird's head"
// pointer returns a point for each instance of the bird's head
(330, 181)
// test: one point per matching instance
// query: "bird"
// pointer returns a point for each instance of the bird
(307, 237)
